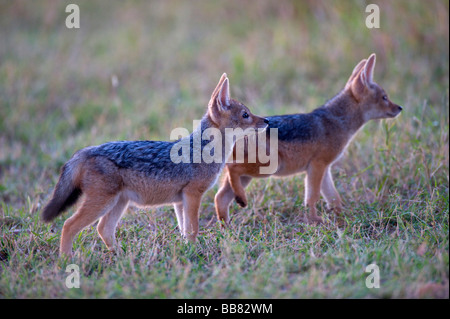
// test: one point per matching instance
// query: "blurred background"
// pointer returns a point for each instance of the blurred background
(138, 69)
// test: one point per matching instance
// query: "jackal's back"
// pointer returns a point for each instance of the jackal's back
(149, 157)
(300, 127)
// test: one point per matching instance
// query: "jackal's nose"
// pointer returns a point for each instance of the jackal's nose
(266, 121)
(399, 107)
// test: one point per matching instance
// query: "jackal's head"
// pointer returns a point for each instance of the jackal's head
(226, 112)
(372, 99)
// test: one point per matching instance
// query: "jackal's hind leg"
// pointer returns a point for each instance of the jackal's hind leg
(107, 226)
(92, 208)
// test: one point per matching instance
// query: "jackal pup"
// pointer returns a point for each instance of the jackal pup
(112, 175)
(312, 142)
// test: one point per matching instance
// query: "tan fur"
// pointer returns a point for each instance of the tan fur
(107, 189)
(360, 101)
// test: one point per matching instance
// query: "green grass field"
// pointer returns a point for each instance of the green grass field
(56, 96)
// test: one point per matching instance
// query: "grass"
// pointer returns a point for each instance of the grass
(56, 97)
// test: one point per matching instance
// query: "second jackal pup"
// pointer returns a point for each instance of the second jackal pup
(312, 142)
(112, 175)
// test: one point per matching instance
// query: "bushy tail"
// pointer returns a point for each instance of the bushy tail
(66, 194)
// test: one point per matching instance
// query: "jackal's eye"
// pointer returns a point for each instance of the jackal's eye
(245, 115)
(385, 97)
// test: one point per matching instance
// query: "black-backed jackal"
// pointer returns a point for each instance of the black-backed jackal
(110, 176)
(312, 142)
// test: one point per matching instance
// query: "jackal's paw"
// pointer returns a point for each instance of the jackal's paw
(335, 210)
(115, 250)
(241, 201)
(224, 222)
(190, 238)
(340, 222)
(66, 255)
(315, 219)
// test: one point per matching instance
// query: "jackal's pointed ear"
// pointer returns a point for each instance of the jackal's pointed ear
(219, 85)
(364, 79)
(358, 85)
(355, 72)
(368, 69)
(214, 94)
(223, 97)
(220, 99)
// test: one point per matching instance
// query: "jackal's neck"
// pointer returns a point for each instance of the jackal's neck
(345, 108)
(208, 135)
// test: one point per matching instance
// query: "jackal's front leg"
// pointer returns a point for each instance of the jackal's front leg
(313, 182)
(179, 212)
(330, 193)
(226, 194)
(222, 201)
(238, 188)
(191, 206)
